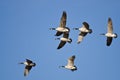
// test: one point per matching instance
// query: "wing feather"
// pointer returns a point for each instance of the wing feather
(27, 70)
(86, 25)
(110, 26)
(58, 33)
(71, 61)
(65, 34)
(62, 43)
(63, 20)
(29, 61)
(109, 41)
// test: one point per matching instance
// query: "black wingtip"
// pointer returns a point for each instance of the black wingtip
(109, 19)
(108, 44)
(64, 12)
(58, 47)
(85, 23)
(73, 56)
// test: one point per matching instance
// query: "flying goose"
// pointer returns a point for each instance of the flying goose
(109, 33)
(29, 64)
(62, 27)
(64, 39)
(70, 65)
(83, 31)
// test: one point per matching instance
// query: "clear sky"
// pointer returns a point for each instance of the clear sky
(24, 33)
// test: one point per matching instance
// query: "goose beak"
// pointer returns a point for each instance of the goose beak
(75, 28)
(57, 38)
(21, 63)
(61, 66)
(51, 28)
(102, 34)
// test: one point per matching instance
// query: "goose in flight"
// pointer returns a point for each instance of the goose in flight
(70, 65)
(29, 64)
(63, 40)
(83, 31)
(62, 27)
(110, 35)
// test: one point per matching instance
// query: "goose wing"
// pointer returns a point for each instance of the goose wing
(29, 61)
(27, 70)
(65, 34)
(81, 36)
(86, 25)
(109, 41)
(71, 61)
(110, 26)
(63, 20)
(62, 43)
(58, 33)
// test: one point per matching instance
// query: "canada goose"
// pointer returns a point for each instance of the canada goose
(62, 27)
(109, 33)
(64, 39)
(83, 31)
(70, 65)
(29, 64)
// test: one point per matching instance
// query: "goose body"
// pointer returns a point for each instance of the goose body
(63, 40)
(28, 66)
(70, 65)
(62, 27)
(110, 35)
(84, 30)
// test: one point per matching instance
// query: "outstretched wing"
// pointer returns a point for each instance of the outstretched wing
(66, 35)
(71, 61)
(29, 61)
(110, 26)
(62, 43)
(81, 36)
(86, 25)
(58, 33)
(63, 20)
(109, 41)
(27, 70)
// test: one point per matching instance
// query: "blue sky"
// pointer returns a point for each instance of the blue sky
(24, 33)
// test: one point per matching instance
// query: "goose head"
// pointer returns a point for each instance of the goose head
(21, 63)
(57, 38)
(61, 66)
(52, 28)
(75, 28)
(102, 34)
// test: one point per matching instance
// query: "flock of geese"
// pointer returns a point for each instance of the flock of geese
(63, 30)
(84, 30)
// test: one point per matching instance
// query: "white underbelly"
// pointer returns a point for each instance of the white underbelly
(83, 30)
(64, 39)
(60, 29)
(70, 67)
(110, 35)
